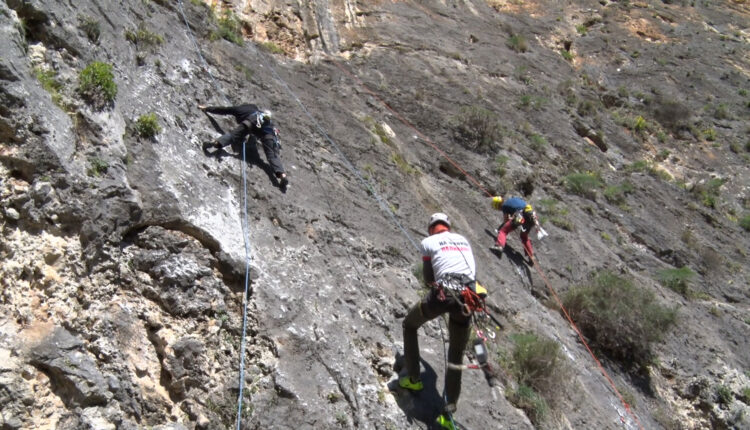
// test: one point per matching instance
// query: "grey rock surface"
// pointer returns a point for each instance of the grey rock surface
(124, 257)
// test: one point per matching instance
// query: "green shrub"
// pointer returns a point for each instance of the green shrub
(536, 362)
(528, 101)
(97, 167)
(477, 128)
(534, 405)
(557, 216)
(676, 279)
(230, 28)
(583, 184)
(90, 27)
(708, 192)
(538, 142)
(619, 319)
(639, 124)
(147, 126)
(745, 222)
(48, 80)
(97, 84)
(143, 38)
(581, 29)
(403, 165)
(518, 43)
(709, 134)
(566, 54)
(724, 395)
(272, 47)
(500, 165)
(616, 194)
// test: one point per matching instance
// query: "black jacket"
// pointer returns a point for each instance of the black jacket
(240, 112)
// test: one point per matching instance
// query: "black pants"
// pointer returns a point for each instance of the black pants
(459, 328)
(271, 146)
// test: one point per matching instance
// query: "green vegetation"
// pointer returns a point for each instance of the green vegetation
(48, 79)
(378, 129)
(745, 222)
(98, 167)
(403, 165)
(97, 84)
(708, 191)
(518, 43)
(619, 319)
(537, 142)
(230, 28)
(709, 134)
(500, 165)
(724, 395)
(646, 166)
(582, 29)
(534, 405)
(248, 72)
(677, 280)
(147, 126)
(583, 184)
(271, 47)
(721, 111)
(528, 101)
(616, 194)
(538, 366)
(557, 216)
(143, 38)
(478, 127)
(90, 27)
(566, 54)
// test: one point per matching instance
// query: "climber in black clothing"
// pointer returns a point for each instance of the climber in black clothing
(251, 120)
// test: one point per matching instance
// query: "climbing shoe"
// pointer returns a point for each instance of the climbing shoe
(496, 248)
(406, 382)
(283, 182)
(445, 422)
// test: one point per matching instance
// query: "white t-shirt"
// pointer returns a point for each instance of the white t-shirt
(449, 253)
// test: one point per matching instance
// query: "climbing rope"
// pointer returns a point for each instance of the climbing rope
(245, 232)
(536, 265)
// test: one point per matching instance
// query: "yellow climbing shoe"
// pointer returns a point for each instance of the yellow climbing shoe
(445, 422)
(407, 383)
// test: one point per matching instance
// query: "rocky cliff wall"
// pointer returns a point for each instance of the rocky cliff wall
(123, 253)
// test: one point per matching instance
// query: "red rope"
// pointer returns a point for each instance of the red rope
(416, 130)
(536, 264)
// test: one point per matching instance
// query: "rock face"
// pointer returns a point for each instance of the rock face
(124, 245)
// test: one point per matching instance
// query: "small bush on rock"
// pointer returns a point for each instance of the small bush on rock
(97, 84)
(230, 28)
(619, 319)
(745, 222)
(583, 184)
(147, 126)
(477, 127)
(676, 279)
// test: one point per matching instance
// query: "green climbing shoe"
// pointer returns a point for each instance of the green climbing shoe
(445, 422)
(407, 383)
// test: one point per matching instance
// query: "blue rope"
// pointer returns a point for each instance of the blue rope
(245, 232)
(245, 235)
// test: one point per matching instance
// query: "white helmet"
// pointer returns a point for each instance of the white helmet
(438, 217)
(266, 113)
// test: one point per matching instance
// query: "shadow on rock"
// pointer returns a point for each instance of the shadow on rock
(252, 158)
(423, 406)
